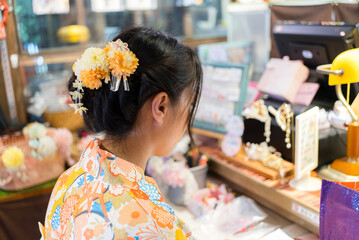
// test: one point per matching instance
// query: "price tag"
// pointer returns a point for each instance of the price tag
(306, 212)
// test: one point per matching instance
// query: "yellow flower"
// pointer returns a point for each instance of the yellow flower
(13, 157)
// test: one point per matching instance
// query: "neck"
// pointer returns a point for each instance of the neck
(134, 149)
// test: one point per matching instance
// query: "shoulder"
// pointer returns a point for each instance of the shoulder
(64, 182)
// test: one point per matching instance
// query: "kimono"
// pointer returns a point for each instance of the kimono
(106, 197)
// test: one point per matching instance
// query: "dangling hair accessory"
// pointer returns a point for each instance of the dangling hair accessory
(97, 64)
(122, 63)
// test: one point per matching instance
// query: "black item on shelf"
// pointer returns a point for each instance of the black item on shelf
(314, 43)
(332, 141)
(317, 43)
(3, 124)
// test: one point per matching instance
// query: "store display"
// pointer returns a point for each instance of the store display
(232, 141)
(225, 83)
(227, 220)
(227, 52)
(259, 111)
(306, 151)
(206, 199)
(265, 154)
(283, 78)
(33, 156)
(13, 158)
(283, 117)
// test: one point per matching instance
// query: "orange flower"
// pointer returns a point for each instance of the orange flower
(123, 63)
(162, 217)
(132, 215)
(137, 193)
(88, 234)
(69, 207)
(92, 78)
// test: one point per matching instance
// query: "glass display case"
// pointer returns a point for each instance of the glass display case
(52, 34)
(40, 25)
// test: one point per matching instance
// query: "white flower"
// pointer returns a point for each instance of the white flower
(47, 146)
(92, 58)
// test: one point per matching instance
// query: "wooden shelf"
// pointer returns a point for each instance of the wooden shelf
(297, 206)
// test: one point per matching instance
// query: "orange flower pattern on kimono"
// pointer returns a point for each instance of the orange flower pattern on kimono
(105, 197)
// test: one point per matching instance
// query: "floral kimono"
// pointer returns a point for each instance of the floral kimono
(105, 197)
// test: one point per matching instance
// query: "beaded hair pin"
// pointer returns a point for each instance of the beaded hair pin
(97, 65)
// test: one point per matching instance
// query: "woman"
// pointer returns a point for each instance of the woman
(141, 91)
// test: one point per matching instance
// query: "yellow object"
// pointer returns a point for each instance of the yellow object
(13, 157)
(73, 34)
(349, 62)
(67, 119)
(180, 235)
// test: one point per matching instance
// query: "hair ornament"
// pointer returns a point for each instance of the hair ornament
(97, 64)
(122, 63)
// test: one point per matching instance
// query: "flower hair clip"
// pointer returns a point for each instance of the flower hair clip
(122, 63)
(97, 65)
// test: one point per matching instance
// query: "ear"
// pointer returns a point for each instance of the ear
(160, 104)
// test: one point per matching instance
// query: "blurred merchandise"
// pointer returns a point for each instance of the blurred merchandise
(339, 116)
(232, 141)
(33, 156)
(41, 7)
(73, 34)
(227, 220)
(206, 199)
(283, 78)
(226, 69)
(107, 6)
(180, 175)
(67, 119)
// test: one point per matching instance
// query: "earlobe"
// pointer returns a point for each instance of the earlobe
(159, 107)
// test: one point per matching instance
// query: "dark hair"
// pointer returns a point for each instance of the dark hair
(165, 65)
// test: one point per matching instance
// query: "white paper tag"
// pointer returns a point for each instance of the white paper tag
(307, 213)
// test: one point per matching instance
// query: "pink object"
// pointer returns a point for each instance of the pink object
(306, 93)
(64, 140)
(253, 94)
(283, 78)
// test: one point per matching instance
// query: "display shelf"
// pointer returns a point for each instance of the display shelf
(6, 196)
(297, 206)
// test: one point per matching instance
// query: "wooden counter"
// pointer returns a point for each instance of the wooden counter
(297, 206)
